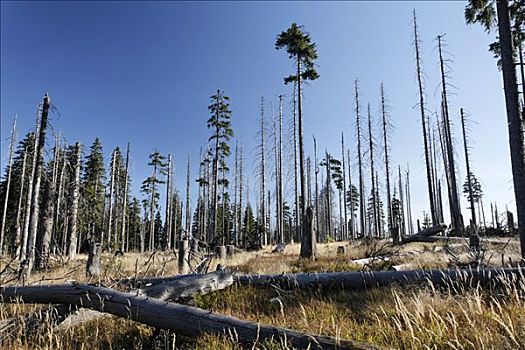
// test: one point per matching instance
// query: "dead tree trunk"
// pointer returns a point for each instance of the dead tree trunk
(423, 121)
(18, 229)
(296, 189)
(188, 208)
(35, 205)
(73, 216)
(316, 171)
(263, 176)
(375, 226)
(183, 257)
(111, 195)
(372, 279)
(184, 320)
(8, 184)
(124, 235)
(345, 226)
(469, 174)
(360, 163)
(168, 213)
(457, 220)
(385, 122)
(43, 242)
(93, 261)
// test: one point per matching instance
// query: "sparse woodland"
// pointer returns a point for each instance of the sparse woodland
(317, 250)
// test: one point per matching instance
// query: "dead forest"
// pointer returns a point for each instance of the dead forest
(318, 251)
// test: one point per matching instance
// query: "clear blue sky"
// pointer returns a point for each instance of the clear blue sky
(143, 72)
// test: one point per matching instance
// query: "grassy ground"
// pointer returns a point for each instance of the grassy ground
(419, 317)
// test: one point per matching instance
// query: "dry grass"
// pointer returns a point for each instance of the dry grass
(402, 318)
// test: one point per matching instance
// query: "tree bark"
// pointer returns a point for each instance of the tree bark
(72, 244)
(35, 204)
(372, 279)
(516, 142)
(8, 185)
(184, 320)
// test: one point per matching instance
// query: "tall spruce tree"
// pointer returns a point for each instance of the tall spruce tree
(303, 51)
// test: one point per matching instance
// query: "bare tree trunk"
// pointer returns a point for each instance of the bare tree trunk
(35, 205)
(18, 228)
(72, 246)
(469, 174)
(515, 126)
(29, 199)
(423, 122)
(352, 209)
(235, 196)
(457, 220)
(328, 199)
(123, 236)
(345, 226)
(375, 226)
(296, 189)
(8, 185)
(263, 177)
(188, 206)
(402, 224)
(169, 211)
(111, 195)
(384, 113)
(316, 171)
(44, 240)
(240, 194)
(360, 163)
(280, 163)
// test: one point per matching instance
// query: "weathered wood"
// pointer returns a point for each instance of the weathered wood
(220, 252)
(183, 257)
(421, 235)
(371, 279)
(341, 250)
(188, 286)
(93, 261)
(184, 320)
(230, 250)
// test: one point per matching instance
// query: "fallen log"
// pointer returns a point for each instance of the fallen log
(182, 319)
(187, 286)
(371, 279)
(421, 235)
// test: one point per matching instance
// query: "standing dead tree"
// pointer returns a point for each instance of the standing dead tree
(386, 123)
(8, 185)
(455, 209)
(424, 120)
(73, 215)
(39, 168)
(360, 163)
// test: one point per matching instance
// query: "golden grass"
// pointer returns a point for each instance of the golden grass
(403, 318)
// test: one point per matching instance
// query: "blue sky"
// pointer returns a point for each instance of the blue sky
(142, 72)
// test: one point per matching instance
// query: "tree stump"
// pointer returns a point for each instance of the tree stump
(220, 252)
(93, 261)
(230, 250)
(183, 257)
(341, 250)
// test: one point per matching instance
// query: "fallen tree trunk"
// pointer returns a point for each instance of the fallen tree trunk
(187, 286)
(371, 279)
(421, 235)
(184, 320)
(189, 280)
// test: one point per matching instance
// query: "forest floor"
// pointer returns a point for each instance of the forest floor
(421, 317)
